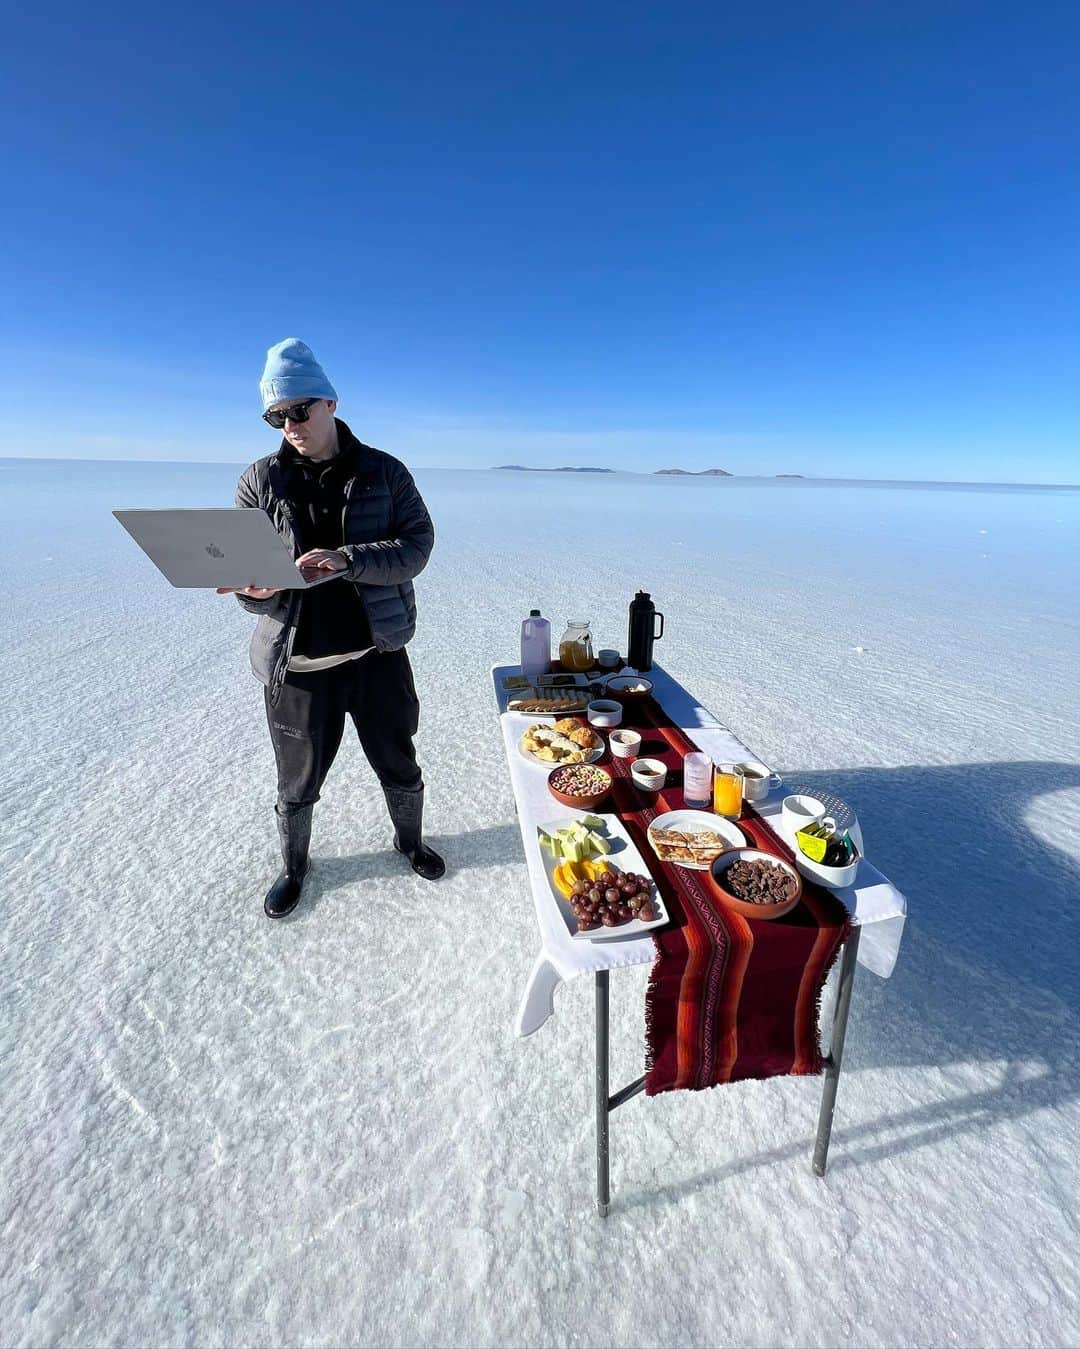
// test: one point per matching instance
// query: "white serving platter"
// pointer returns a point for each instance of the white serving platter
(697, 822)
(549, 764)
(623, 857)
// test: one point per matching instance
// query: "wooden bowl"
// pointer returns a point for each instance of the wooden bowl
(578, 802)
(726, 859)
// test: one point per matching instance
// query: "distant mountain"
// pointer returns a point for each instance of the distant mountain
(789, 475)
(697, 473)
(528, 468)
(670, 472)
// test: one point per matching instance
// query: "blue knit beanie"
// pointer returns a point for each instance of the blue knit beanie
(293, 372)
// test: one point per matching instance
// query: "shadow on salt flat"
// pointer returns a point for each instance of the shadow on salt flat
(495, 846)
(989, 970)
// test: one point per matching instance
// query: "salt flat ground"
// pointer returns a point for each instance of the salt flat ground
(322, 1132)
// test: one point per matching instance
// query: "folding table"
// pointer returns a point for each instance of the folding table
(877, 908)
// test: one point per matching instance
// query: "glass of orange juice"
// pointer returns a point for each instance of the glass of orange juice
(727, 791)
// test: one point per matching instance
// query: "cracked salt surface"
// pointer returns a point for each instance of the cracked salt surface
(322, 1131)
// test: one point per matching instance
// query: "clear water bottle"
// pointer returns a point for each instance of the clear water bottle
(697, 780)
(535, 645)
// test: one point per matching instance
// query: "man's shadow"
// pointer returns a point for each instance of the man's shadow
(375, 872)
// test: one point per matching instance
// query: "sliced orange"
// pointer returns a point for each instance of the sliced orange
(567, 874)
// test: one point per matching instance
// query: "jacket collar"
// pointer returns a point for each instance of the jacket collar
(283, 463)
(349, 448)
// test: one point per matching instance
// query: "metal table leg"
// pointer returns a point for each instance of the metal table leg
(605, 1103)
(603, 1188)
(836, 1053)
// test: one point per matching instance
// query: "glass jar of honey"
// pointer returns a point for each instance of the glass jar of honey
(575, 647)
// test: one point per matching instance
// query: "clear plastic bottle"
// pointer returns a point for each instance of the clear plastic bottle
(535, 645)
(697, 780)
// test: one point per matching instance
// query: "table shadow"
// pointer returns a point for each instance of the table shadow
(989, 968)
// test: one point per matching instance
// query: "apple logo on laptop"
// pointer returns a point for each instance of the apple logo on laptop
(214, 550)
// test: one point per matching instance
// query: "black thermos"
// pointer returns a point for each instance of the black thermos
(643, 631)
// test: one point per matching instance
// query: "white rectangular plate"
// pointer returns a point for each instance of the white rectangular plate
(623, 857)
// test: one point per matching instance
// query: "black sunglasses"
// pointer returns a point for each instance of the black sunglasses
(297, 413)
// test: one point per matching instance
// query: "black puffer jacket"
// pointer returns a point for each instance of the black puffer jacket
(388, 539)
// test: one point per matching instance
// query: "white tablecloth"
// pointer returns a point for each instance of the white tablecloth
(875, 904)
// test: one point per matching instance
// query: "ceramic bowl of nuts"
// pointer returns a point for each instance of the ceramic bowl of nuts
(581, 785)
(754, 883)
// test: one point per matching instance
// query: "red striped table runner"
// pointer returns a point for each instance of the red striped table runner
(728, 998)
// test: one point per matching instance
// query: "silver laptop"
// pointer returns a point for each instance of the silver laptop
(232, 546)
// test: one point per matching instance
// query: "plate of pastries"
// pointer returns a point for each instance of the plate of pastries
(565, 741)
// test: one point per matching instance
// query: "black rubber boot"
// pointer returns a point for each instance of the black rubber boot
(407, 812)
(294, 830)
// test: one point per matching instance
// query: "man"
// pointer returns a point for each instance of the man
(339, 648)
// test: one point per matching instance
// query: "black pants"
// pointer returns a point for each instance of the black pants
(306, 726)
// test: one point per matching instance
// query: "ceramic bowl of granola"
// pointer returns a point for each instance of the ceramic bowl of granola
(581, 785)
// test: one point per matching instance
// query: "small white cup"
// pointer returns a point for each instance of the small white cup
(604, 712)
(624, 744)
(758, 782)
(648, 774)
(799, 811)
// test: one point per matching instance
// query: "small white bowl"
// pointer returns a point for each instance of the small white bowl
(624, 744)
(648, 774)
(836, 878)
(799, 811)
(604, 712)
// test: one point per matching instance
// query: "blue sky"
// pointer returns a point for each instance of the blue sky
(834, 239)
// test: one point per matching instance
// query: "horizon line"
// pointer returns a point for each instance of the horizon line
(637, 473)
